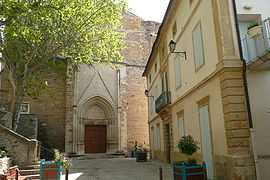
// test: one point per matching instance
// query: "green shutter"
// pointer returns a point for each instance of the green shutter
(198, 47)
(181, 127)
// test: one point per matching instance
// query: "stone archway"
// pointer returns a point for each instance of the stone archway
(97, 129)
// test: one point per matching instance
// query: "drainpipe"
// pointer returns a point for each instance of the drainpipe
(118, 110)
(245, 84)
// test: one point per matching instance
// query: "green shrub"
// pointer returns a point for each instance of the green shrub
(188, 146)
(3, 152)
(62, 158)
(253, 25)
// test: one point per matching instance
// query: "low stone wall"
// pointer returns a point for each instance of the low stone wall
(4, 164)
(22, 150)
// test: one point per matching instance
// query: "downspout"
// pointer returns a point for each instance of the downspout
(245, 84)
(118, 110)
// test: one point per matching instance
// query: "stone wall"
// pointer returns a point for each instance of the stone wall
(50, 108)
(22, 150)
(239, 162)
(56, 111)
(139, 40)
(28, 126)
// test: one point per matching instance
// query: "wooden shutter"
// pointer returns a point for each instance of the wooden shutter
(198, 47)
(181, 127)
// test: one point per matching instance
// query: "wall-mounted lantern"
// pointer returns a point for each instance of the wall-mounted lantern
(146, 93)
(172, 46)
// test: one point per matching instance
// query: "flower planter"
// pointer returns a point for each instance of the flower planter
(255, 31)
(4, 164)
(12, 173)
(184, 172)
(141, 156)
(50, 171)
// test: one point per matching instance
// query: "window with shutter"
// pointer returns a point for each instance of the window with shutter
(181, 126)
(198, 47)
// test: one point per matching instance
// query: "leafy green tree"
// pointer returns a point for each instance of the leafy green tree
(44, 36)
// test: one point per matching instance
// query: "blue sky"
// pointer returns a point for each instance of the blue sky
(153, 10)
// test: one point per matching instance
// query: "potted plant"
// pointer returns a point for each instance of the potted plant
(140, 153)
(63, 159)
(188, 169)
(3, 152)
(254, 30)
(133, 152)
(5, 160)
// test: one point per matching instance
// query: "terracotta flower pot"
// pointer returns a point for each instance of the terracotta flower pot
(255, 31)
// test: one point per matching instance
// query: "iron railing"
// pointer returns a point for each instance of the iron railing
(163, 100)
(256, 47)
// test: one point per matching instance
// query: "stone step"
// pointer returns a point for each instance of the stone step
(29, 172)
(29, 167)
(29, 177)
(100, 156)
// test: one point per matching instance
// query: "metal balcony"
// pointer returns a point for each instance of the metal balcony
(162, 101)
(256, 50)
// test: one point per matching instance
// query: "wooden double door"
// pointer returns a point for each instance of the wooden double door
(95, 138)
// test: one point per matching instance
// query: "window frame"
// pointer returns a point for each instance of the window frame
(202, 46)
(25, 104)
(181, 115)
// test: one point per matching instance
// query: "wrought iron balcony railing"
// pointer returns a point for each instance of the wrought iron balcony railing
(254, 48)
(163, 100)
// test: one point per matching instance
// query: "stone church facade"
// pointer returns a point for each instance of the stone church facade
(101, 110)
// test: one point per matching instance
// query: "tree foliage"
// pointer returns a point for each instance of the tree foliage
(44, 36)
(188, 146)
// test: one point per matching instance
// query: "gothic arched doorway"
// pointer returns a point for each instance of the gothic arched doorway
(97, 131)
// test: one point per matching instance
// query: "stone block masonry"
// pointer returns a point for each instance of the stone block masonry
(23, 150)
(239, 163)
(59, 116)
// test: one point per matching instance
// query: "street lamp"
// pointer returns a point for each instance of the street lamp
(172, 46)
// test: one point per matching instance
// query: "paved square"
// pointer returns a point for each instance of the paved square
(118, 169)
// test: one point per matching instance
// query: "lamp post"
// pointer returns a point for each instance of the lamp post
(172, 46)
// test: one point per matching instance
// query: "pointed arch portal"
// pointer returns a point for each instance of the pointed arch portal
(97, 130)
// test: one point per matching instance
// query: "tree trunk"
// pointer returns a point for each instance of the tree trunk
(16, 102)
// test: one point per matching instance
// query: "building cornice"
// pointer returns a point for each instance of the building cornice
(171, 10)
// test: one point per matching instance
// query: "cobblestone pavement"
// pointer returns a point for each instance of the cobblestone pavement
(118, 169)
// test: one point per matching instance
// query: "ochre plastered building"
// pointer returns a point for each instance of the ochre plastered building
(204, 95)
(100, 110)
